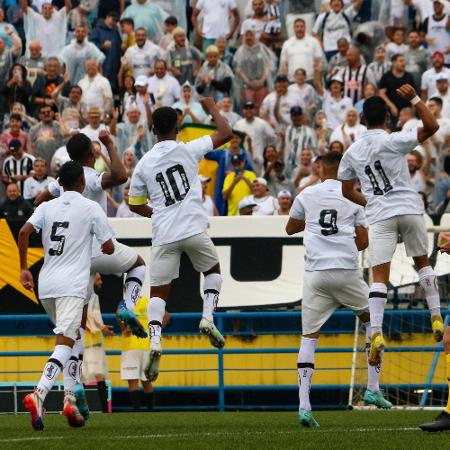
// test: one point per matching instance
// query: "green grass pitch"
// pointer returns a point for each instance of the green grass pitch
(234, 430)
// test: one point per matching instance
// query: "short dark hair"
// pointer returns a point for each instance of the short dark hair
(437, 100)
(165, 120)
(70, 174)
(127, 20)
(75, 86)
(396, 56)
(171, 20)
(79, 147)
(375, 111)
(331, 160)
(16, 117)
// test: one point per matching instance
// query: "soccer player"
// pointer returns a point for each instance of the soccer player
(168, 175)
(393, 207)
(68, 226)
(334, 231)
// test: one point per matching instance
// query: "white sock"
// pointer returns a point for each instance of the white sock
(133, 285)
(427, 280)
(155, 313)
(53, 368)
(211, 289)
(305, 367)
(377, 302)
(71, 371)
(80, 344)
(373, 372)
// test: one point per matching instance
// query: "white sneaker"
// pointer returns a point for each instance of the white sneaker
(209, 329)
(152, 369)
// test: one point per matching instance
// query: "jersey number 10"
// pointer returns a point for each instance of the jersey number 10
(170, 175)
(373, 179)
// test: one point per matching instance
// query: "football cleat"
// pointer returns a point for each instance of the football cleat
(306, 419)
(33, 404)
(130, 319)
(81, 401)
(441, 423)
(437, 326)
(152, 369)
(209, 329)
(377, 399)
(73, 415)
(376, 349)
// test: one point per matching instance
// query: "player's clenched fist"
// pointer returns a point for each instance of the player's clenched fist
(208, 104)
(105, 137)
(407, 91)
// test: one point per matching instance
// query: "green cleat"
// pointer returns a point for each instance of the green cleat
(209, 329)
(80, 398)
(129, 318)
(306, 419)
(377, 399)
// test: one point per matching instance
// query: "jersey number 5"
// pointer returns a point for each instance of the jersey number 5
(58, 238)
(170, 175)
(328, 222)
(376, 187)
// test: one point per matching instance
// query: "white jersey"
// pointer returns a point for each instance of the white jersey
(265, 206)
(68, 224)
(377, 159)
(330, 221)
(33, 186)
(168, 175)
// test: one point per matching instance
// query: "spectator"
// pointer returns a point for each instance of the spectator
(279, 182)
(237, 184)
(335, 104)
(284, 203)
(336, 146)
(17, 89)
(369, 91)
(96, 89)
(235, 148)
(397, 45)
(428, 83)
(14, 132)
(170, 24)
(215, 78)
(142, 99)
(106, 37)
(256, 22)
(339, 60)
(260, 132)
(226, 110)
(37, 183)
(391, 81)
(437, 142)
(5, 29)
(225, 54)
(299, 9)
(124, 209)
(305, 167)
(246, 206)
(309, 99)
(417, 58)
(74, 55)
(184, 60)
(335, 24)
(215, 20)
(443, 93)
(407, 119)
(142, 56)
(313, 178)
(266, 205)
(252, 63)
(94, 125)
(128, 33)
(300, 51)
(270, 156)
(70, 107)
(104, 7)
(276, 106)
(164, 87)
(414, 160)
(208, 202)
(15, 208)
(46, 136)
(7, 55)
(49, 27)
(35, 62)
(192, 110)
(350, 130)
(17, 167)
(380, 65)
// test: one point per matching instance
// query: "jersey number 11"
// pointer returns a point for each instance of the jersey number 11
(373, 179)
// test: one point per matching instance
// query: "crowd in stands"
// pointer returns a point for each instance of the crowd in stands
(290, 76)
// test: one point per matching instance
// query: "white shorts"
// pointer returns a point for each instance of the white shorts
(66, 314)
(118, 263)
(383, 238)
(94, 362)
(132, 365)
(324, 291)
(165, 259)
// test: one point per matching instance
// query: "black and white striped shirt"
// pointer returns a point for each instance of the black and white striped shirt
(354, 81)
(13, 167)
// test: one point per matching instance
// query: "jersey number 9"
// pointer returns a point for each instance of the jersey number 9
(328, 222)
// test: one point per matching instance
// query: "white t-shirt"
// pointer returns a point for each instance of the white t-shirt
(166, 90)
(336, 110)
(425, 8)
(300, 53)
(445, 102)
(168, 175)
(208, 206)
(96, 92)
(394, 49)
(215, 17)
(68, 224)
(142, 59)
(429, 79)
(33, 186)
(330, 221)
(92, 134)
(265, 206)
(377, 159)
(352, 132)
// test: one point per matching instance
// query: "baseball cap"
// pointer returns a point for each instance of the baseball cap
(246, 202)
(337, 78)
(237, 158)
(284, 193)
(249, 105)
(438, 53)
(204, 179)
(141, 81)
(441, 77)
(439, 1)
(260, 180)
(14, 145)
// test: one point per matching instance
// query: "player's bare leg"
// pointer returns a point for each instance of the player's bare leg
(211, 290)
(428, 282)
(305, 368)
(442, 422)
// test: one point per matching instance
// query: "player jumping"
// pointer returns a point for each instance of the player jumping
(68, 226)
(168, 175)
(393, 207)
(334, 231)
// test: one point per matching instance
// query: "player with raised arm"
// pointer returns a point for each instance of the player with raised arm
(68, 224)
(393, 207)
(168, 176)
(335, 230)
